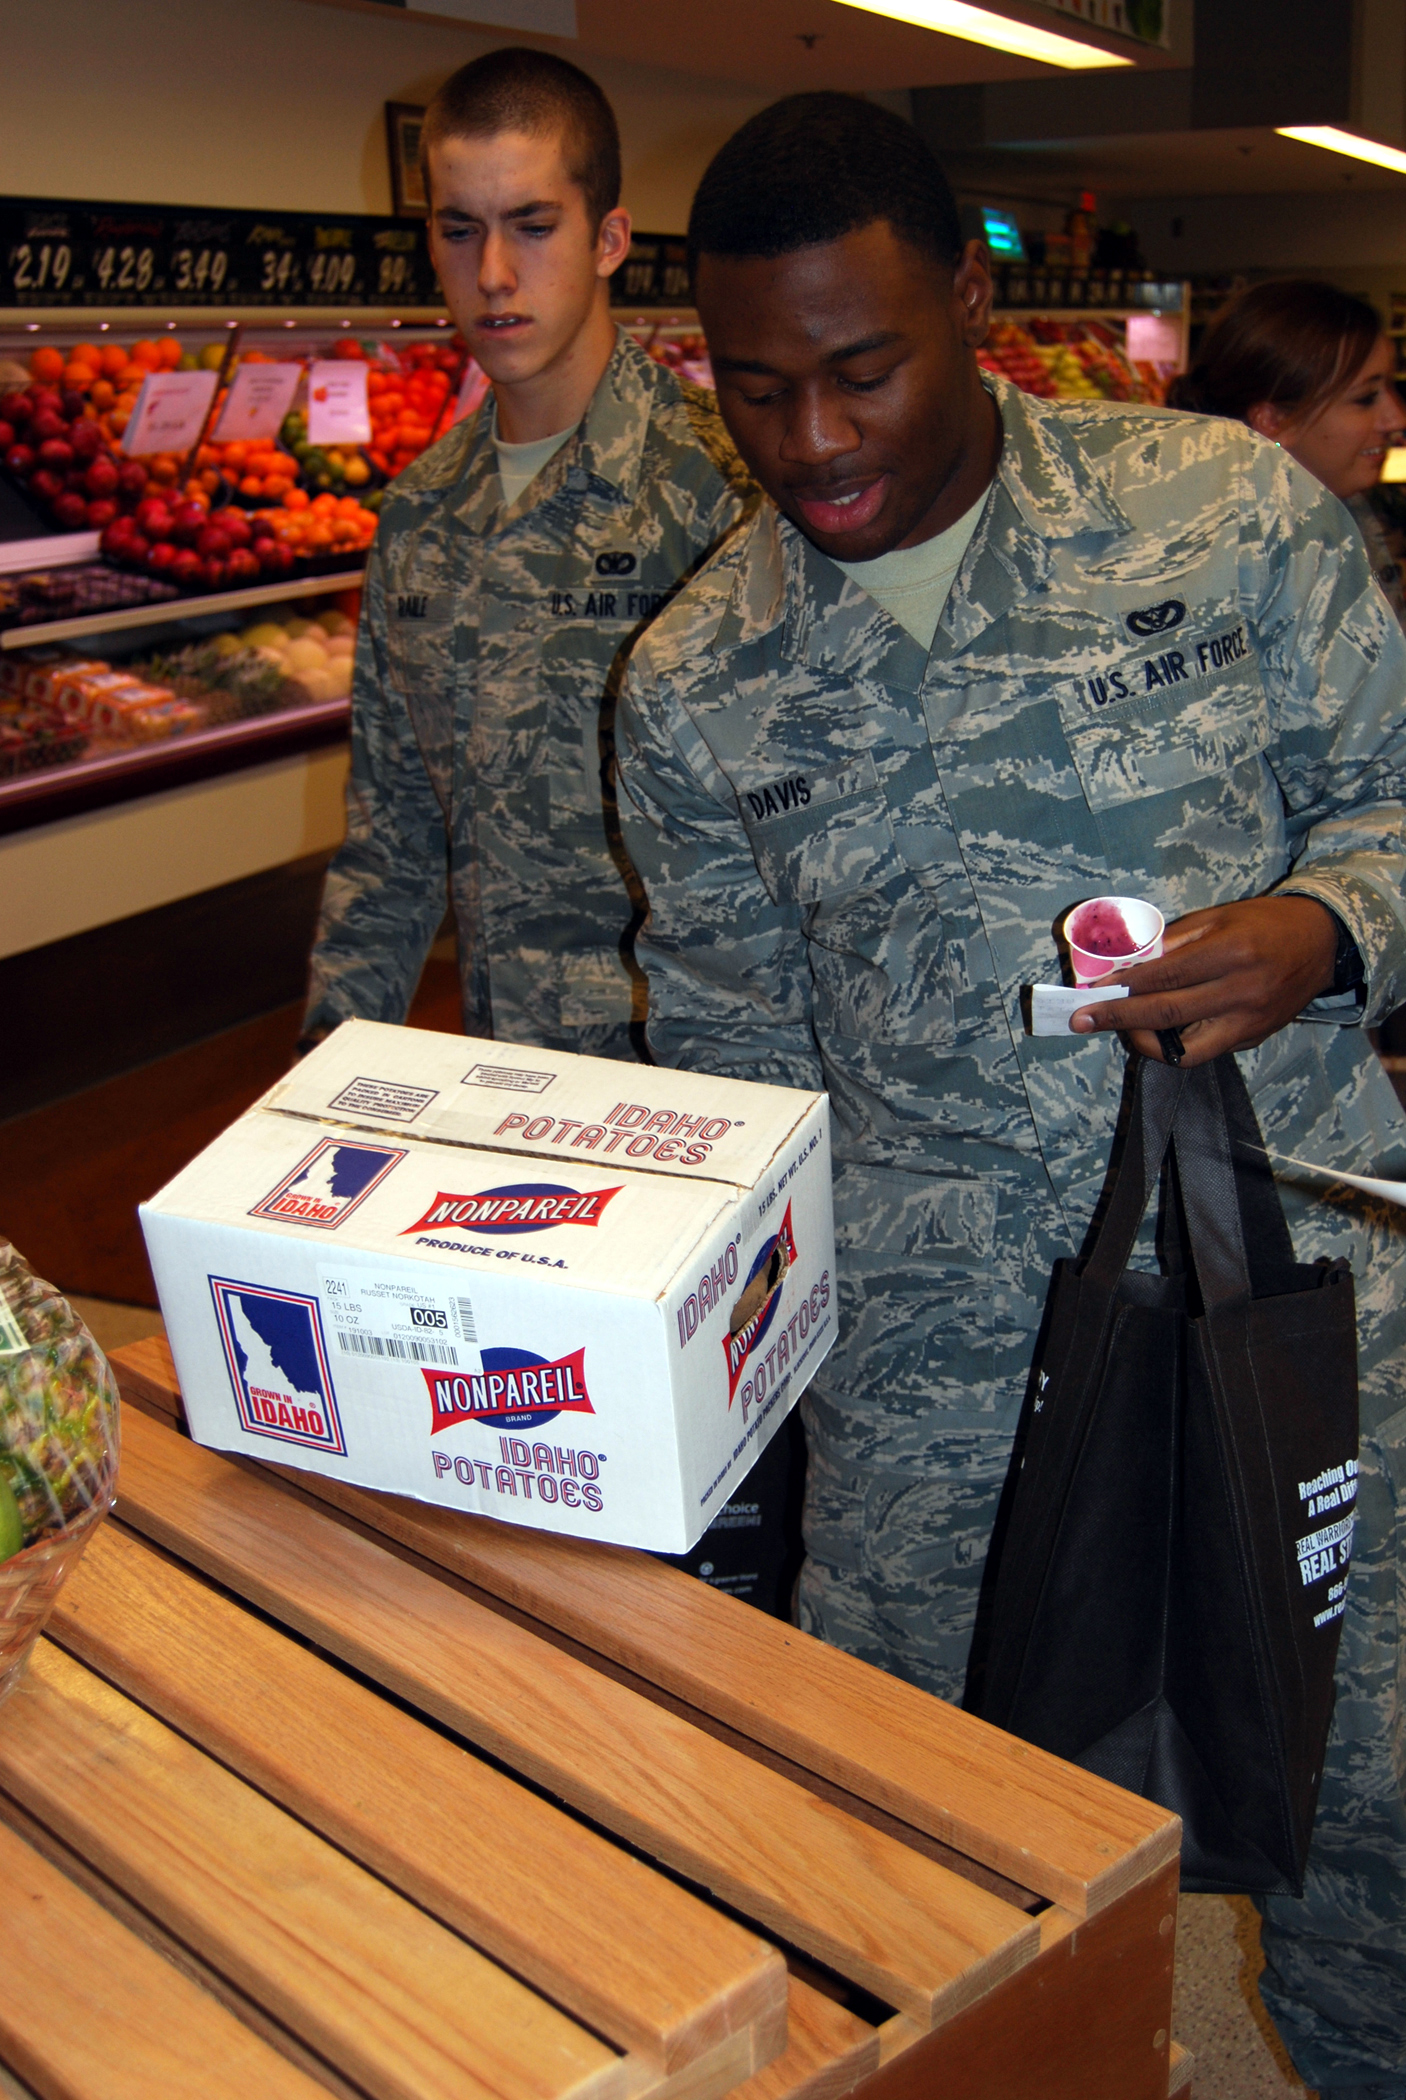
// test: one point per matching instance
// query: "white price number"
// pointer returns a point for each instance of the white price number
(394, 274)
(332, 273)
(278, 272)
(124, 269)
(36, 267)
(200, 269)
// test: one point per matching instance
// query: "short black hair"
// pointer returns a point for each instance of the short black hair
(533, 91)
(815, 167)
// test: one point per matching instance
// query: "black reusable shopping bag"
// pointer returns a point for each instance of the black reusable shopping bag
(1165, 1602)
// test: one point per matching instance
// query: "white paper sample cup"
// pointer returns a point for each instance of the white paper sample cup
(1121, 931)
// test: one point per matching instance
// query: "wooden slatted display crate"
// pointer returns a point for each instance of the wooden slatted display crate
(339, 1791)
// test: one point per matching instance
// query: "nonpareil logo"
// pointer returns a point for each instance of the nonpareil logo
(1157, 619)
(514, 1386)
(277, 1362)
(328, 1184)
(520, 1206)
(755, 1309)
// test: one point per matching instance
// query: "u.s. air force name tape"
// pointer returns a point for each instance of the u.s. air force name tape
(1051, 1005)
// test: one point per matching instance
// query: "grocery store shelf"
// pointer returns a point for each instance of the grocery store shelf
(81, 320)
(150, 769)
(57, 550)
(167, 609)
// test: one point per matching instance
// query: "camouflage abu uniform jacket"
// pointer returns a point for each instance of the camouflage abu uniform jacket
(486, 668)
(1164, 670)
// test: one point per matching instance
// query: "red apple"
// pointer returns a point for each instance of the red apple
(19, 460)
(71, 512)
(185, 569)
(132, 478)
(275, 559)
(213, 572)
(243, 565)
(46, 483)
(154, 518)
(237, 527)
(86, 438)
(46, 424)
(162, 557)
(7, 437)
(46, 398)
(55, 453)
(72, 403)
(118, 535)
(100, 477)
(101, 512)
(212, 542)
(187, 519)
(16, 407)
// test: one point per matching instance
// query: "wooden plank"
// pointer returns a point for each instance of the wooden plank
(144, 1927)
(1089, 2019)
(89, 2013)
(627, 1951)
(905, 1928)
(388, 1996)
(828, 2053)
(1042, 1823)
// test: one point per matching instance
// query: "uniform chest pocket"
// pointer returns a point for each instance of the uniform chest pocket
(1169, 740)
(823, 849)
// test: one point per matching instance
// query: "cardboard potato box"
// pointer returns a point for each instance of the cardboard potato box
(558, 1290)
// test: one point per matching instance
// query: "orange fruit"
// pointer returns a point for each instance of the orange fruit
(171, 352)
(111, 358)
(147, 354)
(277, 486)
(235, 455)
(324, 505)
(251, 486)
(298, 499)
(103, 393)
(164, 471)
(47, 364)
(78, 376)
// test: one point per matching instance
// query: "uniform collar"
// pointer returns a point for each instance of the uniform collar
(605, 453)
(1045, 489)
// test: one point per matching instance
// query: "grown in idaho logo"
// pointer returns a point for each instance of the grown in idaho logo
(513, 1386)
(756, 1307)
(277, 1362)
(521, 1206)
(328, 1184)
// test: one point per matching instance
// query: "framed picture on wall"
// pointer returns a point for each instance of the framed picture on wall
(403, 122)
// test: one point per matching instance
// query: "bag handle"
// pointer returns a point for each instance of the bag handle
(1157, 1090)
(1234, 1220)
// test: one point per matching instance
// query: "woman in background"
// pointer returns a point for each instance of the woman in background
(1310, 368)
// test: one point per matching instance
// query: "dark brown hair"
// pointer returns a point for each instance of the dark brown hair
(1292, 342)
(536, 92)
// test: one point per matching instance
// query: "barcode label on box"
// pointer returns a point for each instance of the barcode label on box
(408, 1348)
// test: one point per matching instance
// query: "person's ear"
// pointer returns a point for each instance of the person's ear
(974, 290)
(1269, 420)
(612, 241)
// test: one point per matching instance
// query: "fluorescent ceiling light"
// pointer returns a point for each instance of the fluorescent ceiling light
(977, 25)
(1334, 141)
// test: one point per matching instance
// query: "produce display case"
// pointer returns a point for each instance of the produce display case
(260, 552)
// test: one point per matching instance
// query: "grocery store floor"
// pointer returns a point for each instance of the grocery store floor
(75, 1170)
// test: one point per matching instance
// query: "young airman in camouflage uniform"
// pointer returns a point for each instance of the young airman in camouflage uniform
(1163, 670)
(494, 629)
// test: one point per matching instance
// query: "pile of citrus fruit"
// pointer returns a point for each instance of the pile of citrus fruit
(319, 525)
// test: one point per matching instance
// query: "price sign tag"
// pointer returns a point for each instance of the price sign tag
(337, 408)
(170, 412)
(260, 396)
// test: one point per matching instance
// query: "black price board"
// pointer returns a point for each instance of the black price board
(654, 273)
(56, 253)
